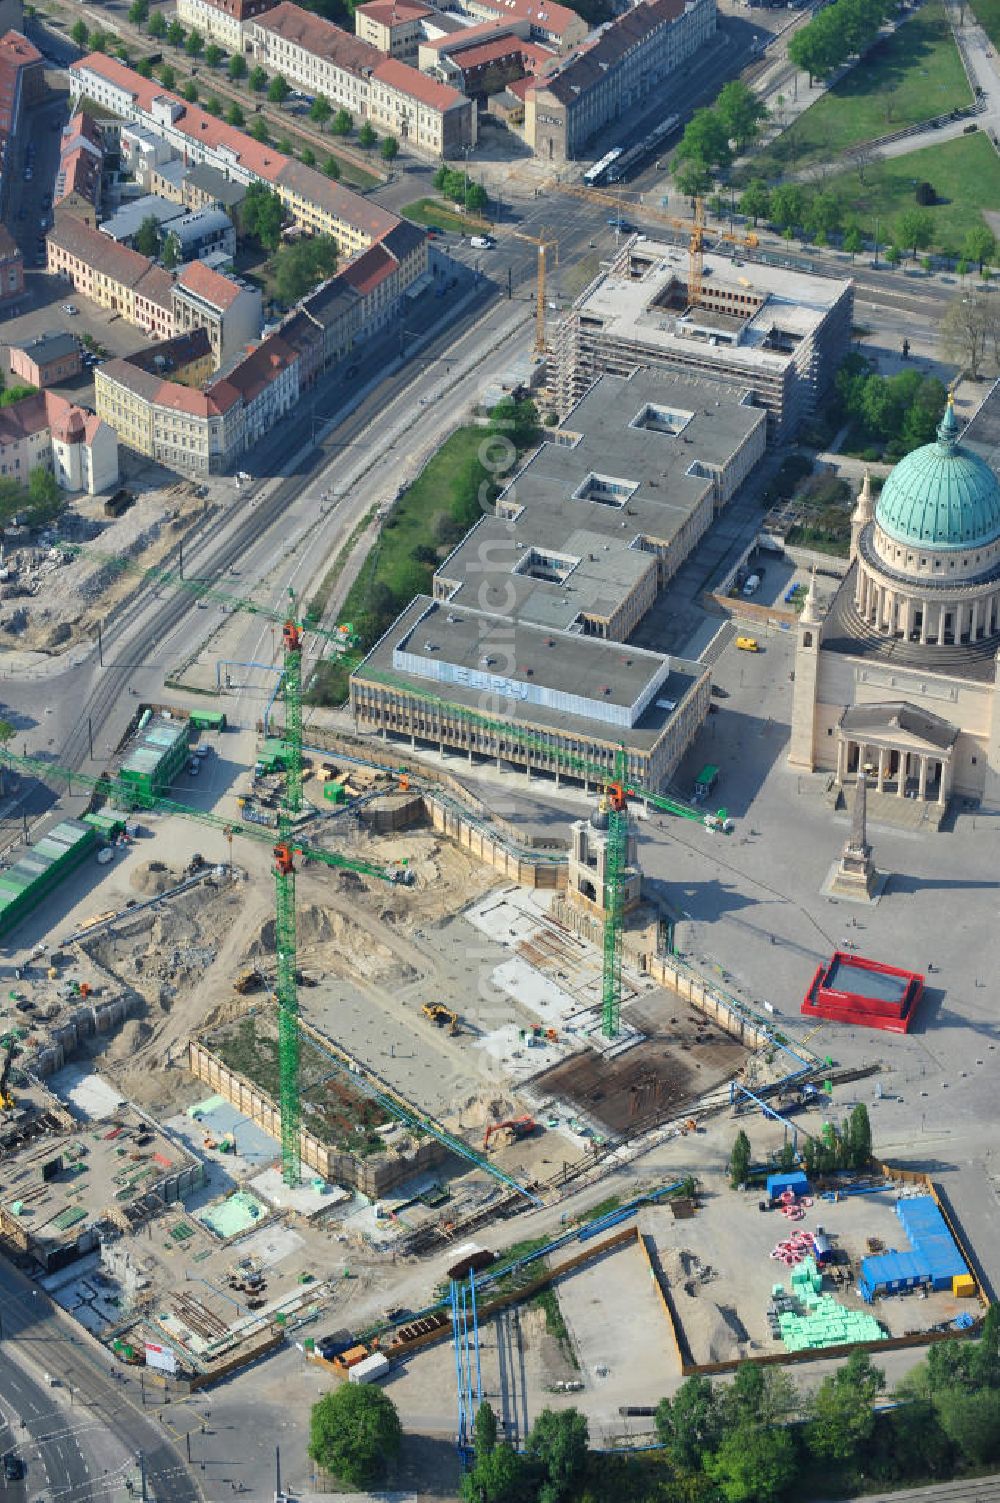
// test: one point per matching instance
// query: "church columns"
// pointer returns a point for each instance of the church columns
(922, 781)
(974, 622)
(904, 758)
(841, 759)
(923, 622)
(944, 786)
(883, 757)
(940, 625)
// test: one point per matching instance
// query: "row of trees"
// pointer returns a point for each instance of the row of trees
(847, 1147)
(821, 214)
(711, 135)
(842, 30)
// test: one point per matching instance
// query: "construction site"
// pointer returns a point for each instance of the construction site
(287, 1049)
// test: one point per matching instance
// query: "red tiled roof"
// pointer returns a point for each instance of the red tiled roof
(543, 14)
(23, 418)
(156, 285)
(195, 123)
(519, 87)
(457, 41)
(16, 49)
(119, 262)
(261, 367)
(79, 172)
(490, 52)
(182, 399)
(388, 12)
(222, 395)
(407, 80)
(365, 272)
(216, 289)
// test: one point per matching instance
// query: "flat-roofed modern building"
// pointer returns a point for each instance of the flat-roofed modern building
(780, 334)
(532, 611)
(567, 696)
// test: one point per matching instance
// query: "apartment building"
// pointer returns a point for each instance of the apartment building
(79, 177)
(392, 27)
(221, 21)
(205, 232)
(555, 26)
(196, 432)
(354, 75)
(310, 198)
(113, 276)
(633, 58)
(230, 311)
(267, 383)
(45, 431)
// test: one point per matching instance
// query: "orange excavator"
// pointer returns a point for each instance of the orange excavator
(518, 1127)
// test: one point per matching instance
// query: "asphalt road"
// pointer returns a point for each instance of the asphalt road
(38, 1337)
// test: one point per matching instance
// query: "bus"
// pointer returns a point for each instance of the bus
(597, 174)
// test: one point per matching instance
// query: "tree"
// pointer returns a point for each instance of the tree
(859, 1134)
(366, 135)
(485, 1430)
(965, 328)
(320, 110)
(852, 241)
(175, 33)
(78, 31)
(308, 156)
(691, 1426)
(752, 1464)
(213, 104)
(971, 1422)
(158, 25)
(979, 246)
(138, 13)
(147, 236)
(332, 168)
(237, 67)
(705, 140)
(171, 252)
(235, 115)
(190, 91)
(144, 68)
(167, 76)
(286, 148)
(739, 1160)
(389, 148)
(843, 1419)
(892, 255)
(278, 90)
(497, 1478)
(98, 41)
(343, 123)
(558, 1443)
(258, 79)
(44, 500)
(863, 157)
(194, 44)
(259, 130)
(301, 266)
(756, 200)
(787, 205)
(915, 228)
(740, 111)
(823, 215)
(693, 177)
(214, 55)
(758, 1395)
(353, 1432)
(260, 216)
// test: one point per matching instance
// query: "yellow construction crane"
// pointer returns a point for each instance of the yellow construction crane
(546, 241)
(695, 227)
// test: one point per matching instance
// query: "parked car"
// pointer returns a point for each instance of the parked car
(70, 308)
(748, 644)
(13, 1467)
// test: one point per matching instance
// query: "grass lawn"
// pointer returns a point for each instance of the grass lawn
(908, 77)
(427, 211)
(987, 13)
(965, 173)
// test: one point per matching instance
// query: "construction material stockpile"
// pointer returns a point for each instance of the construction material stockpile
(808, 1318)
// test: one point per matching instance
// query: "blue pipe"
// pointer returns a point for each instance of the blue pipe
(475, 1331)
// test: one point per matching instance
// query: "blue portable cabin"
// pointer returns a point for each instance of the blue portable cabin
(793, 1180)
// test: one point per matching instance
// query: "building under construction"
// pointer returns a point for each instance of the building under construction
(780, 333)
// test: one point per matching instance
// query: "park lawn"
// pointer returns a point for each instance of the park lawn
(432, 211)
(987, 13)
(964, 172)
(910, 76)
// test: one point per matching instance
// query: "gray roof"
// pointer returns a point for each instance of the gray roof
(610, 673)
(331, 301)
(127, 221)
(199, 223)
(983, 433)
(887, 716)
(53, 345)
(210, 180)
(608, 546)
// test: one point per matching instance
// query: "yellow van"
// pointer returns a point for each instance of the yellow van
(748, 644)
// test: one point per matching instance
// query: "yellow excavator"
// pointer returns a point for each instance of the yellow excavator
(435, 1013)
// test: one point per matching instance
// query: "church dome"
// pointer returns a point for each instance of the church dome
(941, 495)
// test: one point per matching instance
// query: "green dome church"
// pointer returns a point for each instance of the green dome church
(896, 669)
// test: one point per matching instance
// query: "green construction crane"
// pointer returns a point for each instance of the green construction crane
(284, 891)
(615, 806)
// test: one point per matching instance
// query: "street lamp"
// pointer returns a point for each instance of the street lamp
(875, 262)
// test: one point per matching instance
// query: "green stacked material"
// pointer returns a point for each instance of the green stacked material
(826, 1323)
(69, 1217)
(806, 1278)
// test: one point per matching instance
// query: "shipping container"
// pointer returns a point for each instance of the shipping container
(372, 1370)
